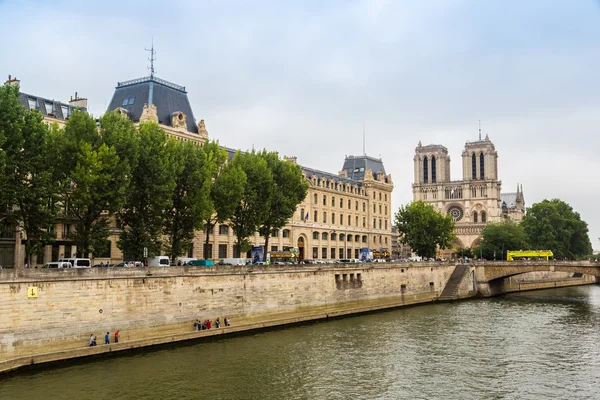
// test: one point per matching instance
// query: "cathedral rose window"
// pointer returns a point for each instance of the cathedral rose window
(456, 212)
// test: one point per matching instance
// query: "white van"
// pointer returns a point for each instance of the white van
(78, 262)
(159, 261)
(233, 261)
(57, 264)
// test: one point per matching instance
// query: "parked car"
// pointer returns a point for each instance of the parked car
(58, 264)
(77, 262)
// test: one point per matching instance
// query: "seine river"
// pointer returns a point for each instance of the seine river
(536, 345)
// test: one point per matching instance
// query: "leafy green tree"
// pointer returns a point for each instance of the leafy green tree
(424, 228)
(498, 238)
(287, 191)
(228, 183)
(251, 211)
(149, 194)
(92, 181)
(30, 177)
(191, 197)
(554, 225)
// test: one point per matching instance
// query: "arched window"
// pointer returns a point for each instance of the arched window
(324, 236)
(357, 238)
(474, 166)
(333, 236)
(324, 200)
(341, 203)
(356, 205)
(425, 170)
(316, 235)
(364, 239)
(341, 219)
(433, 170)
(349, 204)
(483, 217)
(349, 220)
(315, 198)
(481, 166)
(356, 221)
(364, 207)
(333, 218)
(380, 209)
(349, 237)
(475, 216)
(342, 237)
(302, 215)
(324, 217)
(315, 216)
(332, 201)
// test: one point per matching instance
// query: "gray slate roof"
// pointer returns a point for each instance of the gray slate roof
(357, 165)
(166, 96)
(60, 110)
(508, 199)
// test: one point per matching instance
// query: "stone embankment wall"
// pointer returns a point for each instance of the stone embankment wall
(72, 304)
(48, 315)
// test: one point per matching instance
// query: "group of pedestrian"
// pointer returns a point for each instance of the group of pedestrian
(207, 324)
(93, 339)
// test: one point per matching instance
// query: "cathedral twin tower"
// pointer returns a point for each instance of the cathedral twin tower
(473, 201)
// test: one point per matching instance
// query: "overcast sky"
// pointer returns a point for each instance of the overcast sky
(301, 77)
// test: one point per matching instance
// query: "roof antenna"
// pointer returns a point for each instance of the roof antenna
(364, 148)
(152, 58)
(479, 129)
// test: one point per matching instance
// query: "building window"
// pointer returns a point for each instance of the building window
(379, 196)
(315, 235)
(208, 252)
(341, 203)
(481, 166)
(324, 253)
(386, 224)
(223, 229)
(275, 233)
(333, 218)
(385, 196)
(475, 216)
(483, 217)
(380, 209)
(364, 207)
(379, 223)
(433, 170)
(425, 170)
(356, 205)
(473, 192)
(364, 222)
(341, 253)
(50, 108)
(315, 252)
(333, 236)
(332, 253)
(474, 166)
(274, 248)
(286, 233)
(33, 104)
(349, 238)
(356, 221)
(341, 219)
(374, 208)
(332, 201)
(357, 238)
(65, 112)
(324, 217)
(386, 210)
(364, 239)
(324, 200)
(129, 101)
(349, 220)
(374, 223)
(349, 204)
(302, 215)
(222, 251)
(315, 216)
(324, 236)
(315, 198)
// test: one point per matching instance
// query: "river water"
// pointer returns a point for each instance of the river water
(535, 345)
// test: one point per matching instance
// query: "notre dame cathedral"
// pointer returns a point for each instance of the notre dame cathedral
(474, 200)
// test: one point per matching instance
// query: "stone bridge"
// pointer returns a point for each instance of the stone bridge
(490, 275)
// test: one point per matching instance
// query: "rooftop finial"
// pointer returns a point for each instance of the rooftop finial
(479, 129)
(152, 58)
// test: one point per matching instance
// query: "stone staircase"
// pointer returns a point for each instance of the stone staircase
(451, 289)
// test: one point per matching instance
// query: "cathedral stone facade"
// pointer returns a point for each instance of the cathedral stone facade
(473, 201)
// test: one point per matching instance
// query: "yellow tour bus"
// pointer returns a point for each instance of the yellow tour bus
(512, 255)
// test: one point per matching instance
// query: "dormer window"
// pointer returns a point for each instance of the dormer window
(129, 101)
(32, 103)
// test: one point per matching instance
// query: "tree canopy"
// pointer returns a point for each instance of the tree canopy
(554, 225)
(424, 228)
(498, 238)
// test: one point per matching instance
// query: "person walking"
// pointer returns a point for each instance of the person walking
(117, 337)
(91, 340)
(106, 339)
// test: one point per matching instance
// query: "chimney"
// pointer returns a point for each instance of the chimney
(78, 101)
(13, 81)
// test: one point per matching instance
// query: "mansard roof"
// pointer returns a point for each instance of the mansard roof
(166, 96)
(357, 165)
(48, 108)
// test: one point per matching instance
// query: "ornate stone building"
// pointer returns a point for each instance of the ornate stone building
(474, 200)
(342, 212)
